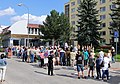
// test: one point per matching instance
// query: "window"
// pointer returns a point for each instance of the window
(112, 6)
(78, 1)
(72, 3)
(103, 41)
(73, 16)
(29, 31)
(111, 32)
(73, 22)
(73, 10)
(103, 25)
(32, 31)
(102, 1)
(78, 28)
(110, 0)
(35, 31)
(110, 23)
(102, 9)
(102, 17)
(103, 33)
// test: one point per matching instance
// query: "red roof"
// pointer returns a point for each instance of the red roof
(34, 25)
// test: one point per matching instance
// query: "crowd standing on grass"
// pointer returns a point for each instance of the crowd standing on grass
(84, 59)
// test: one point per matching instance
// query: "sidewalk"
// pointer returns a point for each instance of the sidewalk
(115, 66)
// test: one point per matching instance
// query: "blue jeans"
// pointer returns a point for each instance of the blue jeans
(32, 58)
(61, 60)
(113, 60)
(105, 72)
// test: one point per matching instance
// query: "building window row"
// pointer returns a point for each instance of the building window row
(72, 10)
(102, 17)
(102, 9)
(73, 22)
(103, 25)
(72, 3)
(73, 16)
(102, 33)
(102, 1)
(112, 6)
(78, 1)
(33, 31)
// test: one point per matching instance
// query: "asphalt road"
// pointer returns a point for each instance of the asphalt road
(30, 73)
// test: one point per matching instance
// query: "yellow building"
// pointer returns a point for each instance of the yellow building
(103, 6)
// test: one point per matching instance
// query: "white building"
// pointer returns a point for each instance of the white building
(19, 33)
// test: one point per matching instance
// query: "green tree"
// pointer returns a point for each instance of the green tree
(88, 24)
(115, 15)
(56, 27)
(65, 28)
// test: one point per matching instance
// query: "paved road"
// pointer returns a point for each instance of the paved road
(26, 73)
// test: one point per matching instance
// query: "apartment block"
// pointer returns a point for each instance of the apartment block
(104, 7)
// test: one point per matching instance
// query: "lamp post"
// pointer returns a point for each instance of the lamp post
(21, 4)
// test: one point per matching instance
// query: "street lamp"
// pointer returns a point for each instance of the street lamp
(21, 4)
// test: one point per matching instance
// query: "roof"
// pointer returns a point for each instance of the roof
(34, 25)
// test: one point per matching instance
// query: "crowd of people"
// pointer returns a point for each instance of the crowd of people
(84, 59)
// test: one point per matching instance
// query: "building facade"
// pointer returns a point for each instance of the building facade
(104, 7)
(19, 33)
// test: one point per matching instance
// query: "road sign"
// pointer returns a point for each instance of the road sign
(116, 34)
(115, 39)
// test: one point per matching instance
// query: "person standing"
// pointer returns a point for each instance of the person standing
(68, 56)
(110, 55)
(32, 55)
(113, 54)
(62, 54)
(79, 63)
(28, 55)
(72, 58)
(101, 53)
(24, 54)
(86, 56)
(91, 65)
(50, 63)
(105, 67)
(3, 66)
(98, 67)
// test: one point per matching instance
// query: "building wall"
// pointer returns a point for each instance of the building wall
(17, 34)
(107, 4)
(105, 32)
(73, 7)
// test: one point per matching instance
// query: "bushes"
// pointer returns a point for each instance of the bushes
(1, 49)
(104, 50)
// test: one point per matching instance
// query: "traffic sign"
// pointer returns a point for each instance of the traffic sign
(116, 34)
(115, 39)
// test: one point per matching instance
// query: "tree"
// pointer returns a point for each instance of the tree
(88, 23)
(56, 26)
(115, 15)
(65, 28)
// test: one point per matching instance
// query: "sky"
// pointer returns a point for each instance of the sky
(10, 12)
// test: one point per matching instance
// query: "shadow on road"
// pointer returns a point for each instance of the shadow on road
(40, 73)
(19, 60)
(35, 65)
(114, 80)
(65, 75)
(116, 72)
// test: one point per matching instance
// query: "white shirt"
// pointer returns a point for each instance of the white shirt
(106, 62)
(101, 53)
